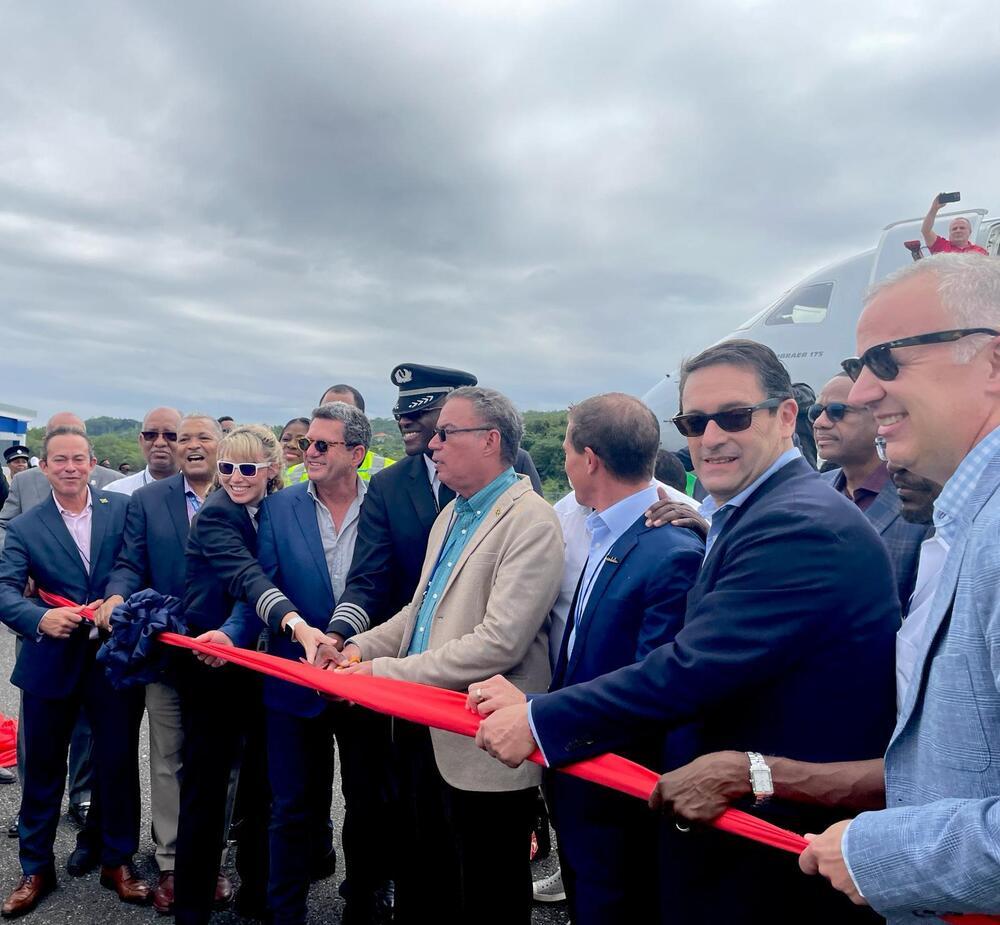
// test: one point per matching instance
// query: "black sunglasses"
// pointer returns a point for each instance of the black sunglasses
(443, 434)
(303, 443)
(880, 361)
(835, 411)
(732, 420)
(150, 435)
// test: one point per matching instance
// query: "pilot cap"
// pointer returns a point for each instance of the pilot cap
(424, 387)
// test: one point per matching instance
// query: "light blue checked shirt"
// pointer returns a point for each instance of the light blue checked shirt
(957, 489)
(717, 514)
(468, 515)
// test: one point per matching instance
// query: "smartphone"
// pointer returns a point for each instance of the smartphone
(948, 197)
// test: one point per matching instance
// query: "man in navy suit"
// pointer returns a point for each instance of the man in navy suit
(67, 546)
(630, 598)
(786, 648)
(305, 545)
(845, 436)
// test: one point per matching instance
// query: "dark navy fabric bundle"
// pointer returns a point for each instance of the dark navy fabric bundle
(132, 656)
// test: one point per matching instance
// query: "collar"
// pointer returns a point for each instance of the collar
(362, 490)
(709, 506)
(188, 488)
(66, 513)
(487, 494)
(958, 489)
(875, 481)
(622, 514)
(432, 472)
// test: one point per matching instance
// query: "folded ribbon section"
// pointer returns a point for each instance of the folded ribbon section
(445, 709)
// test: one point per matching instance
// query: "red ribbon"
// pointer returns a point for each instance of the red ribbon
(444, 709)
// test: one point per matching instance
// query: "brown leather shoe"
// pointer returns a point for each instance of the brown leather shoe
(27, 894)
(163, 895)
(223, 891)
(126, 883)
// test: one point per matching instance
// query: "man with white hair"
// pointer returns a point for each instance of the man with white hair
(959, 232)
(928, 367)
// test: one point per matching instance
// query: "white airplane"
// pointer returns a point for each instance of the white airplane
(811, 327)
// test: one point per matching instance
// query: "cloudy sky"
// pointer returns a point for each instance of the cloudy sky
(229, 205)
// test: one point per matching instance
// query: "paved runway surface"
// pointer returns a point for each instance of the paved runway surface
(84, 900)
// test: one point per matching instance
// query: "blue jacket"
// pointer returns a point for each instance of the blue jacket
(902, 539)
(937, 846)
(39, 547)
(290, 552)
(156, 534)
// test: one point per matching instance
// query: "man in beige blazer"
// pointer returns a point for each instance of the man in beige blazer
(491, 573)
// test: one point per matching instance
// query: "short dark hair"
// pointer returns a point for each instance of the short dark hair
(65, 430)
(621, 430)
(303, 421)
(357, 428)
(670, 471)
(771, 373)
(359, 399)
(225, 418)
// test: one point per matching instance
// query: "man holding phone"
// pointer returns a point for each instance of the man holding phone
(959, 230)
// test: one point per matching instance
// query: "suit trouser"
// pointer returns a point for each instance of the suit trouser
(166, 739)
(607, 851)
(48, 725)
(464, 853)
(216, 706)
(301, 766)
(81, 749)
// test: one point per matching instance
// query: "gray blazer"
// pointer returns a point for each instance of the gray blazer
(936, 849)
(31, 487)
(901, 538)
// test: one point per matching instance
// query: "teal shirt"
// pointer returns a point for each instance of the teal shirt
(467, 517)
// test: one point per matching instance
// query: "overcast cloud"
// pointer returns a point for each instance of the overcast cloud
(229, 205)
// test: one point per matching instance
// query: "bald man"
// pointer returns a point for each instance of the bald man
(157, 441)
(31, 487)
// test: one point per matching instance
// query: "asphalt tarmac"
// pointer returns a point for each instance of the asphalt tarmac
(84, 900)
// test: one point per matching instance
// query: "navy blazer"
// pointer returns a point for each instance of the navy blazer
(636, 604)
(902, 539)
(290, 552)
(222, 566)
(40, 547)
(787, 646)
(156, 534)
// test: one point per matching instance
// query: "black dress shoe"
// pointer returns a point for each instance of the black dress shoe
(7, 776)
(12, 831)
(81, 861)
(78, 812)
(325, 867)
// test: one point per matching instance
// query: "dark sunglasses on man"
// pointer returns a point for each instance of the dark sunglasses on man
(732, 420)
(880, 361)
(150, 436)
(835, 411)
(303, 443)
(443, 433)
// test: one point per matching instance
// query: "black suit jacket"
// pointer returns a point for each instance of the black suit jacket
(156, 535)
(787, 649)
(40, 547)
(222, 565)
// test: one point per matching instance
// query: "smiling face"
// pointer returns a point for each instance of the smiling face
(725, 462)
(67, 465)
(17, 464)
(417, 429)
(197, 443)
(339, 462)
(289, 442)
(244, 489)
(936, 409)
(849, 442)
(959, 232)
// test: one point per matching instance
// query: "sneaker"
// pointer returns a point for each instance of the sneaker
(549, 889)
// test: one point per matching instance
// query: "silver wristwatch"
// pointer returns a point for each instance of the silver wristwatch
(291, 624)
(760, 777)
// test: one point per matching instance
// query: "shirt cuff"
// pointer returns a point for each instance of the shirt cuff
(847, 863)
(534, 733)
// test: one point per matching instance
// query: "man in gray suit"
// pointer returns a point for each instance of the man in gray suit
(929, 369)
(845, 436)
(28, 489)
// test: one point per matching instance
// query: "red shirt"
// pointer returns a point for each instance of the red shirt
(944, 246)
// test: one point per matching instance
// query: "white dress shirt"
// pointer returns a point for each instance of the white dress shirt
(78, 526)
(131, 483)
(338, 546)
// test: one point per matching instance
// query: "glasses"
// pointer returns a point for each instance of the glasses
(247, 470)
(880, 361)
(303, 443)
(150, 435)
(443, 434)
(835, 411)
(732, 420)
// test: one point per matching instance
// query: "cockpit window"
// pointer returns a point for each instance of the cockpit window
(805, 305)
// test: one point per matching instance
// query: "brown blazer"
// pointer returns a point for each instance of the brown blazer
(491, 619)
